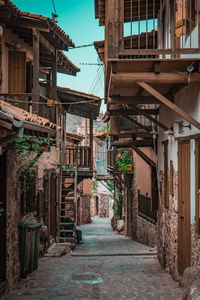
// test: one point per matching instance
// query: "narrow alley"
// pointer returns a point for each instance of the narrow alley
(105, 266)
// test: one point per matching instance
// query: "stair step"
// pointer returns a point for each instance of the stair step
(64, 230)
(67, 223)
(67, 239)
(62, 209)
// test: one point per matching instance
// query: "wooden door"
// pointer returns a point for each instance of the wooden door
(17, 74)
(184, 223)
(2, 217)
(53, 199)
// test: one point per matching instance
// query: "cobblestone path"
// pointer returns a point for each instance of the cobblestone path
(106, 266)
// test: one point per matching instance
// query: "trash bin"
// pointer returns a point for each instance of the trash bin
(29, 240)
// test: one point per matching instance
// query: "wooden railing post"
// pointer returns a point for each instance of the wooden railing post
(91, 141)
(36, 70)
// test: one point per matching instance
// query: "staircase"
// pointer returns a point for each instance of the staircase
(68, 210)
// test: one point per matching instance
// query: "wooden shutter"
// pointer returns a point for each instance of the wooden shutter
(17, 73)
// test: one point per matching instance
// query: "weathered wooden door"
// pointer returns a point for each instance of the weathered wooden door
(17, 73)
(53, 199)
(184, 223)
(2, 217)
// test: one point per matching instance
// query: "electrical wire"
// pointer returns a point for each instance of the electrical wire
(54, 7)
(81, 46)
(55, 103)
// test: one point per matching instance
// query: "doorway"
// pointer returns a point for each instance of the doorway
(184, 223)
(97, 205)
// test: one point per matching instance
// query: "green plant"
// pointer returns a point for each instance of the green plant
(117, 205)
(31, 148)
(106, 128)
(94, 187)
(123, 160)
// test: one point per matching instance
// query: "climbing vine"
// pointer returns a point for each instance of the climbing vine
(31, 148)
(123, 160)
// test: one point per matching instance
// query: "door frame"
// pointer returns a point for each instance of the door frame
(184, 218)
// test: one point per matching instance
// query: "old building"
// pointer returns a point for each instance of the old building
(32, 132)
(151, 55)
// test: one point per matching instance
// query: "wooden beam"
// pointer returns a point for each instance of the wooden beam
(169, 104)
(133, 100)
(128, 112)
(148, 160)
(137, 143)
(36, 70)
(45, 43)
(146, 128)
(126, 79)
(148, 116)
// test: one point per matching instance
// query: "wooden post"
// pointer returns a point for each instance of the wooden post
(36, 70)
(114, 122)
(91, 141)
(75, 188)
(54, 85)
(169, 104)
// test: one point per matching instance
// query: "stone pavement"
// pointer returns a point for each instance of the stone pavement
(106, 266)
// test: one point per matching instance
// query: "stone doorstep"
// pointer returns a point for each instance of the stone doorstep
(58, 249)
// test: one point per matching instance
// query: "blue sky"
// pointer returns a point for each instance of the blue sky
(77, 19)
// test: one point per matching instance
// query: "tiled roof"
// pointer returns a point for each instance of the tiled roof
(61, 53)
(74, 136)
(52, 24)
(23, 115)
(80, 94)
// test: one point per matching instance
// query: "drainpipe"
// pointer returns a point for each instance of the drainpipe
(18, 127)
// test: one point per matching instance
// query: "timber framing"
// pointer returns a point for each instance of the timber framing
(169, 104)
(137, 143)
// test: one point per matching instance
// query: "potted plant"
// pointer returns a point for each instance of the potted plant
(123, 161)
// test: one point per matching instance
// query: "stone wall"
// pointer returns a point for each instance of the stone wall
(168, 228)
(146, 232)
(85, 209)
(12, 213)
(103, 205)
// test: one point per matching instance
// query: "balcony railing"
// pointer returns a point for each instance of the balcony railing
(111, 154)
(158, 28)
(145, 208)
(83, 157)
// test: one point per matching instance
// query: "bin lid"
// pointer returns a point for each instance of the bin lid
(29, 224)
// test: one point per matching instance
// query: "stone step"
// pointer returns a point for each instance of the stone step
(58, 249)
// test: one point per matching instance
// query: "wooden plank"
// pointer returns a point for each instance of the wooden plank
(137, 143)
(144, 52)
(146, 128)
(145, 157)
(146, 114)
(126, 79)
(169, 104)
(166, 178)
(184, 223)
(45, 43)
(197, 185)
(36, 70)
(133, 100)
(127, 112)
(91, 141)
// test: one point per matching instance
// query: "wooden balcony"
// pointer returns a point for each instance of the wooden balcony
(82, 155)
